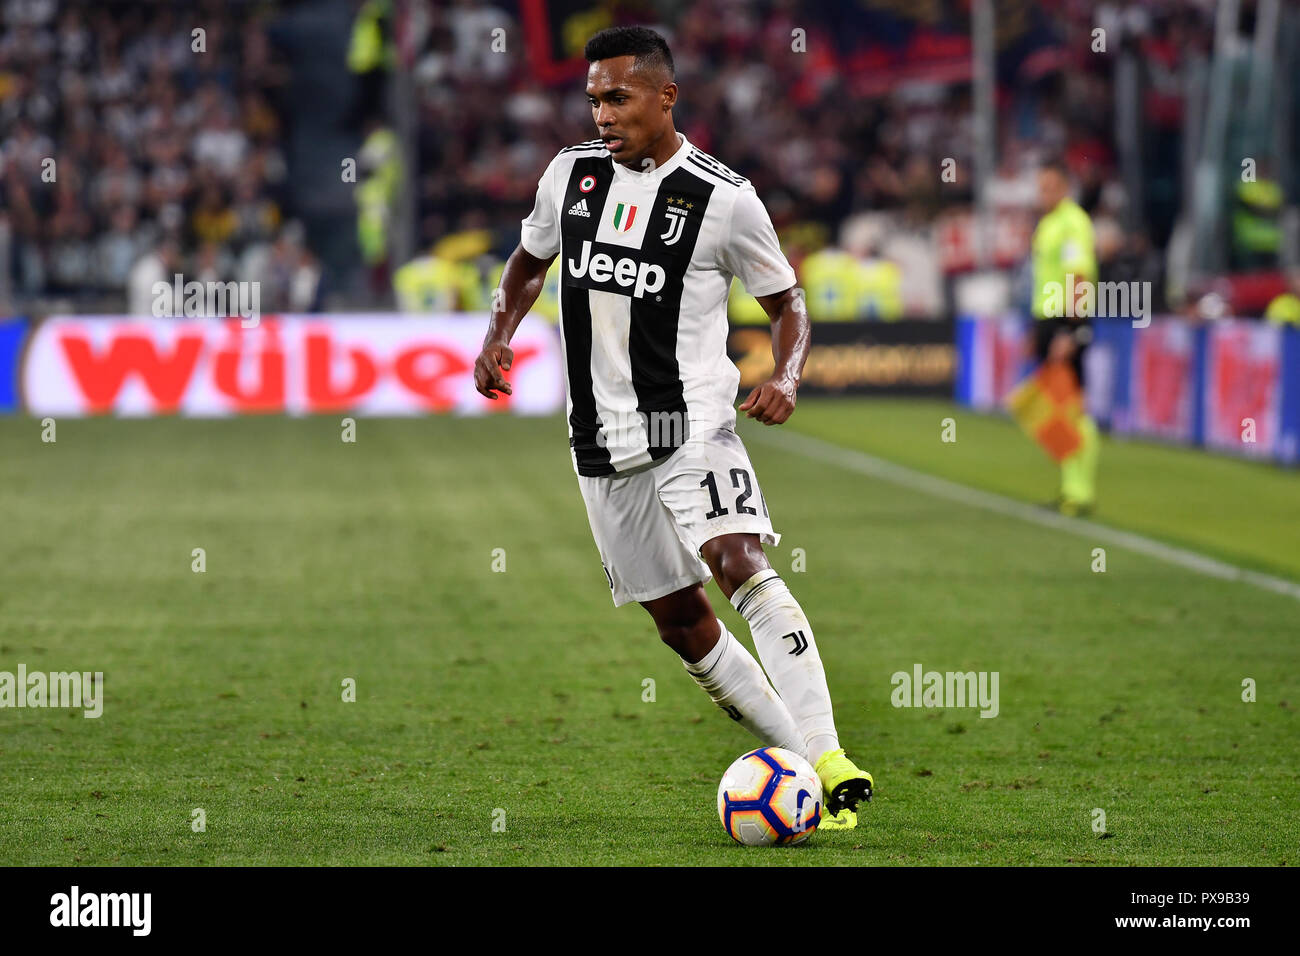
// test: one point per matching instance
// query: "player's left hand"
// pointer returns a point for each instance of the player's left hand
(772, 402)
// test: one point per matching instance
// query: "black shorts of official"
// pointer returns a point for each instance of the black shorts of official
(1045, 330)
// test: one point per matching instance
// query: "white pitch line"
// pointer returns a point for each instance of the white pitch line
(865, 464)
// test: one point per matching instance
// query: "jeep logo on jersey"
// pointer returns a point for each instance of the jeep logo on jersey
(606, 274)
(624, 213)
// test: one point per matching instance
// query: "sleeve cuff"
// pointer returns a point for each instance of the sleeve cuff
(779, 284)
(530, 246)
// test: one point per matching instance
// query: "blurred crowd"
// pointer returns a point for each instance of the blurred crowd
(132, 149)
(138, 141)
(849, 160)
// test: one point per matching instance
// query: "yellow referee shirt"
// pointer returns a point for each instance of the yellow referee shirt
(1062, 247)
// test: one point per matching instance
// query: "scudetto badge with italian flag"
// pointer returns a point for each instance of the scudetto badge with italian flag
(624, 214)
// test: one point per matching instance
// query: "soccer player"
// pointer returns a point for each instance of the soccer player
(1065, 264)
(650, 231)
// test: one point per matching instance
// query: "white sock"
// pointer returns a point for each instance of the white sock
(734, 681)
(784, 640)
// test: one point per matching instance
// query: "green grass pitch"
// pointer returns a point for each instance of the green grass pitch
(516, 696)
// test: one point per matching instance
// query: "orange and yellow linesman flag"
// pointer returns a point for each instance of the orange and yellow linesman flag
(1049, 407)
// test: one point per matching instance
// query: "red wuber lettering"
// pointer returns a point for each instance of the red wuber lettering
(287, 364)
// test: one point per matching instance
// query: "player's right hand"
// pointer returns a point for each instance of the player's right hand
(488, 379)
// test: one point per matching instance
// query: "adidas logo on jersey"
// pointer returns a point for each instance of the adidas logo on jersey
(605, 273)
(579, 208)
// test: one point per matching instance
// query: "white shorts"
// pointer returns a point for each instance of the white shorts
(650, 524)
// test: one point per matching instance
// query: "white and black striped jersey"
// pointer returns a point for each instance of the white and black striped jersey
(647, 260)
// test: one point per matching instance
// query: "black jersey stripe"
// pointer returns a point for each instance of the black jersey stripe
(720, 167)
(590, 452)
(716, 164)
(713, 172)
(590, 144)
(670, 238)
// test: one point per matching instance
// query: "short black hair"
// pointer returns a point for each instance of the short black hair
(1056, 164)
(649, 48)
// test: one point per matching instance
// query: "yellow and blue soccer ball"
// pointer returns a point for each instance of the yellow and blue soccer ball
(768, 797)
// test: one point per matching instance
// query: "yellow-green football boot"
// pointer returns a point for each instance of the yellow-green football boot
(847, 820)
(844, 786)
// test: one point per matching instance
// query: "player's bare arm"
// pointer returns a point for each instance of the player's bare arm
(772, 402)
(521, 284)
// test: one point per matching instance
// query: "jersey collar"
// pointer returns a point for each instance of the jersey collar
(623, 174)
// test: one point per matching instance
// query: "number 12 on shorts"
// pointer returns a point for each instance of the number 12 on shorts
(739, 480)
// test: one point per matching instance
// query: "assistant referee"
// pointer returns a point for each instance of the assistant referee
(1064, 265)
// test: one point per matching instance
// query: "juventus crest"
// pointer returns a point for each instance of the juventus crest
(676, 220)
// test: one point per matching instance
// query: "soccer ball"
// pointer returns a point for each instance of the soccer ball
(770, 796)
